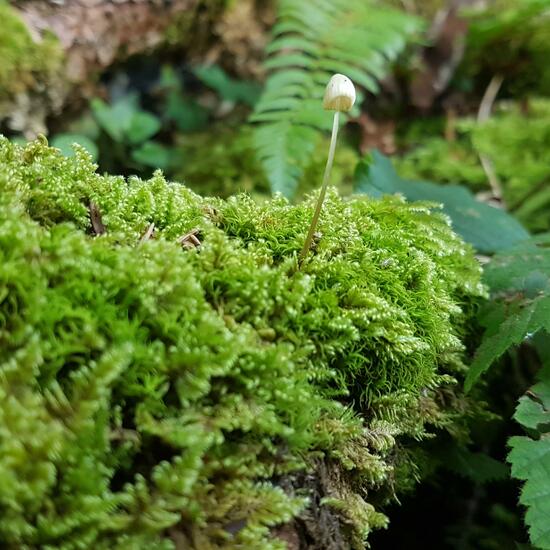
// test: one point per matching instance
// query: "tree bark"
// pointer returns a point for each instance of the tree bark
(95, 34)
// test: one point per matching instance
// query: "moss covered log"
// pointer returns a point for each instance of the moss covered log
(170, 379)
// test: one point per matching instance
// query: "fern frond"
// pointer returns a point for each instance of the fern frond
(530, 456)
(519, 279)
(311, 41)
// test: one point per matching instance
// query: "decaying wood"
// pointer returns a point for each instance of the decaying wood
(447, 37)
(96, 33)
(319, 527)
(376, 134)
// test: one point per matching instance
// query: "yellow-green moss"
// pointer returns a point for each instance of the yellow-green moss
(154, 393)
(223, 162)
(24, 62)
(517, 142)
(220, 162)
(192, 28)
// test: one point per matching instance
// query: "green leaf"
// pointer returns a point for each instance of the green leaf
(284, 149)
(188, 115)
(228, 88)
(85, 126)
(64, 143)
(517, 269)
(115, 119)
(530, 458)
(153, 154)
(523, 320)
(168, 78)
(143, 125)
(478, 467)
(488, 229)
(519, 278)
(533, 410)
(530, 461)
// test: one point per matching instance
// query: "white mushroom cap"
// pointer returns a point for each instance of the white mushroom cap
(339, 94)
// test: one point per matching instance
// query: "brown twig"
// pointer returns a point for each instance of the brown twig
(190, 240)
(450, 125)
(95, 218)
(409, 6)
(148, 233)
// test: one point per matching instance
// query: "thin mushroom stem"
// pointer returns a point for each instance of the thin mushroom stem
(324, 186)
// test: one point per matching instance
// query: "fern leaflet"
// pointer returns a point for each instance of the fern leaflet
(530, 457)
(519, 279)
(311, 41)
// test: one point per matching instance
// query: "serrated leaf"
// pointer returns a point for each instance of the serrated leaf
(533, 410)
(488, 229)
(511, 271)
(530, 460)
(519, 279)
(530, 456)
(530, 412)
(526, 319)
(478, 467)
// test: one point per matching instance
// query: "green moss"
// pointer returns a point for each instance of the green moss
(512, 39)
(190, 29)
(223, 162)
(220, 162)
(518, 145)
(437, 159)
(24, 61)
(154, 394)
(358, 512)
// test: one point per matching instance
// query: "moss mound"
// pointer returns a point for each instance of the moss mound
(171, 381)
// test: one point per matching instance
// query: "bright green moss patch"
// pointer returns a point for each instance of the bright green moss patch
(152, 392)
(24, 61)
(516, 141)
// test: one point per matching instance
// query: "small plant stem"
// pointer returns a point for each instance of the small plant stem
(320, 200)
(482, 116)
